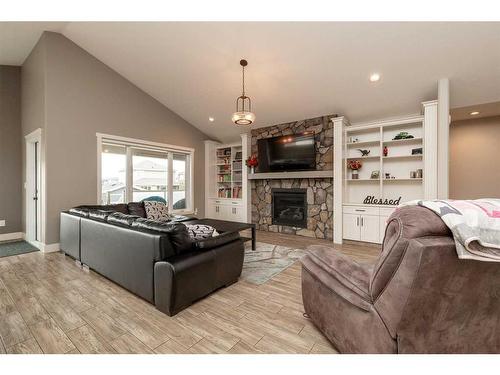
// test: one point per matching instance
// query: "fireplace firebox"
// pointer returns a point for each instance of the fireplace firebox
(289, 207)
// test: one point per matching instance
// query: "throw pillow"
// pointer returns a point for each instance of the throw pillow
(200, 231)
(157, 211)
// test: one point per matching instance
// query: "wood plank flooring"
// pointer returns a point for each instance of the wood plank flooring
(50, 305)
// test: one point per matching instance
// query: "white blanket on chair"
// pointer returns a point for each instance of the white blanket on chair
(475, 225)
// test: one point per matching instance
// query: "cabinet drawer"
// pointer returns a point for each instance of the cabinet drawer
(226, 202)
(361, 210)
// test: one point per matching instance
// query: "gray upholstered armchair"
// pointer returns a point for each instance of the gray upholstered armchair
(417, 298)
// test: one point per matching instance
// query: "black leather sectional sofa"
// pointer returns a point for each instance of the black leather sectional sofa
(156, 261)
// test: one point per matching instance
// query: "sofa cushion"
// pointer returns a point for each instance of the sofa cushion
(212, 242)
(119, 207)
(84, 212)
(137, 208)
(157, 211)
(100, 215)
(177, 233)
(121, 219)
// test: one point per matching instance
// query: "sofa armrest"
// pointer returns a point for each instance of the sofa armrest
(69, 235)
(183, 279)
(212, 242)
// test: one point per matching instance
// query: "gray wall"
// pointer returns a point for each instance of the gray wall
(32, 105)
(10, 149)
(84, 96)
(474, 167)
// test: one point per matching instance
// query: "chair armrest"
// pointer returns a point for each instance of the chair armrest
(343, 268)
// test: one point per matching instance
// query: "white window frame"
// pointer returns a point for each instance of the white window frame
(155, 146)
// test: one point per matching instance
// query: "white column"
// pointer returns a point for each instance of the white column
(246, 140)
(338, 177)
(430, 153)
(209, 173)
(443, 137)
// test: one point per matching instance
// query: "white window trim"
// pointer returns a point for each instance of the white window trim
(103, 138)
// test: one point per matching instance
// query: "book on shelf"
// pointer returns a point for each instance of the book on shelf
(237, 192)
(224, 193)
(224, 177)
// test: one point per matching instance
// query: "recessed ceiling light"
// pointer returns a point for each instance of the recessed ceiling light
(474, 113)
(211, 119)
(374, 77)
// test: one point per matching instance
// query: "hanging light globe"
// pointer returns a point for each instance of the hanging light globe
(243, 114)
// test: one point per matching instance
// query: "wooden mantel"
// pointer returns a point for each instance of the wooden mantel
(287, 175)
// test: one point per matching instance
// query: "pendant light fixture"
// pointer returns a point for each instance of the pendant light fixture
(243, 114)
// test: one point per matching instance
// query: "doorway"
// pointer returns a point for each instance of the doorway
(33, 188)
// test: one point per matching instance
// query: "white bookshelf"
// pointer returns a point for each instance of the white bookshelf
(359, 221)
(399, 162)
(228, 171)
(226, 184)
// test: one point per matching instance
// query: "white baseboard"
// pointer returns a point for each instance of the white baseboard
(44, 248)
(11, 236)
(50, 248)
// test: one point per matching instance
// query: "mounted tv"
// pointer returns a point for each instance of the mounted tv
(294, 152)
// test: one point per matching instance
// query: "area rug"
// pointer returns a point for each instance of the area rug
(15, 248)
(267, 261)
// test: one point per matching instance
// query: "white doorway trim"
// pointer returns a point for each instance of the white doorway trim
(35, 209)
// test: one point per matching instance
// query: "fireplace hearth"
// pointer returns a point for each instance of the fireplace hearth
(289, 207)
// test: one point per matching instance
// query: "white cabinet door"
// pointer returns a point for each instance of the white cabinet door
(211, 211)
(219, 212)
(370, 228)
(351, 227)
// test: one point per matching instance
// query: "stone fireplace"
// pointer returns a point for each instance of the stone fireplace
(318, 206)
(289, 207)
(305, 202)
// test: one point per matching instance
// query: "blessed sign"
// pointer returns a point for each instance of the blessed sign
(370, 199)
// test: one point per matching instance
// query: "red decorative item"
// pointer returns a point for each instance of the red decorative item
(386, 151)
(354, 165)
(252, 161)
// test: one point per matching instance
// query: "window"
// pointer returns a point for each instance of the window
(180, 171)
(132, 170)
(149, 175)
(113, 166)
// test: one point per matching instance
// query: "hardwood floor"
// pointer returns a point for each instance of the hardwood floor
(50, 305)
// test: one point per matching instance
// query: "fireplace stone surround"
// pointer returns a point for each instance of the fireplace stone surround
(319, 191)
(319, 203)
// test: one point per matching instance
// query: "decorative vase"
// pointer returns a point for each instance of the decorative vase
(354, 174)
(252, 170)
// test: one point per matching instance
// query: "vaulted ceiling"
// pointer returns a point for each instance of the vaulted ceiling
(296, 70)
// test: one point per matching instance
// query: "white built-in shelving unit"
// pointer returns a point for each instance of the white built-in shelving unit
(399, 162)
(366, 222)
(226, 183)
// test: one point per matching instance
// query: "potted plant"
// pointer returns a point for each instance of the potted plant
(354, 165)
(252, 162)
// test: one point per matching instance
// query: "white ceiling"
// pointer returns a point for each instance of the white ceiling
(296, 70)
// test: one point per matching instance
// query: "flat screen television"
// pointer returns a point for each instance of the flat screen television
(294, 152)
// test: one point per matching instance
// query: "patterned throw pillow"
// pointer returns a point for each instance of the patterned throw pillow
(157, 211)
(201, 231)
